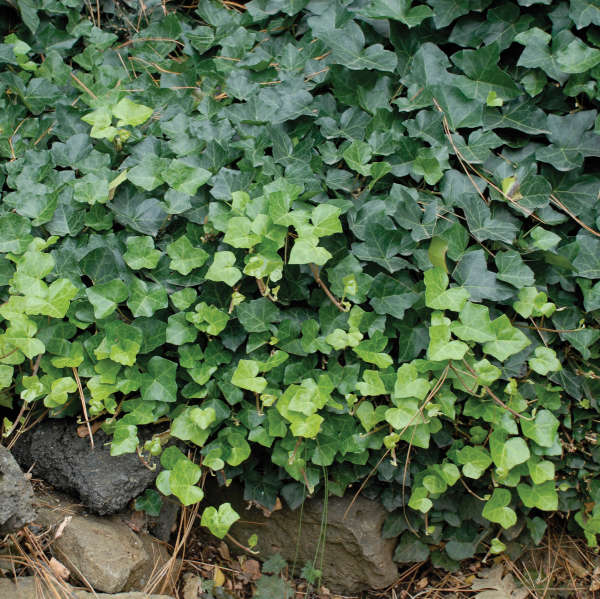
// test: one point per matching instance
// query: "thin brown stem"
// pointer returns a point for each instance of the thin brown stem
(502, 404)
(558, 203)
(83, 406)
(10, 353)
(148, 39)
(84, 86)
(469, 490)
(495, 397)
(334, 300)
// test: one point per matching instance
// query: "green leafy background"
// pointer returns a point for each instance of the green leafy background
(321, 241)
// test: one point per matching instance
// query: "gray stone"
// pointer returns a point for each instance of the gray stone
(30, 587)
(108, 554)
(356, 557)
(16, 495)
(104, 483)
(104, 552)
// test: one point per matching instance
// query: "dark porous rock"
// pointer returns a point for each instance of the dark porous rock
(356, 557)
(59, 456)
(165, 524)
(16, 495)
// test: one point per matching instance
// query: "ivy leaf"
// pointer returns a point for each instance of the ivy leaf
(245, 377)
(507, 454)
(485, 77)
(14, 233)
(141, 253)
(542, 496)
(239, 233)
(307, 427)
(542, 429)
(419, 500)
(584, 13)
(219, 521)
(6, 376)
(369, 416)
(586, 262)
(105, 297)
(183, 298)
(577, 57)
(440, 345)
(121, 343)
(509, 339)
(486, 372)
(370, 350)
(91, 189)
(533, 303)
(512, 269)
(193, 424)
(159, 383)
(149, 502)
(545, 361)
(179, 331)
(184, 256)
(307, 251)
(357, 156)
(540, 470)
(142, 215)
(371, 384)
(53, 301)
(475, 460)
(125, 439)
(71, 356)
(148, 173)
(437, 294)
(339, 339)
(146, 298)
(399, 11)
(257, 315)
(407, 414)
(570, 139)
(179, 477)
(325, 219)
(185, 177)
(475, 324)
(223, 269)
(409, 384)
(59, 392)
(19, 335)
(496, 509)
(481, 283)
(347, 45)
(130, 113)
(208, 318)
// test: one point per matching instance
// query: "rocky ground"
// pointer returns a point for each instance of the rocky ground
(69, 529)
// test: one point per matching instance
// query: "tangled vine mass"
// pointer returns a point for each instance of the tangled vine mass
(333, 245)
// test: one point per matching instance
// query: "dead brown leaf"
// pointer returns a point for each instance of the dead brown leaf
(494, 585)
(61, 527)
(82, 429)
(224, 550)
(251, 568)
(58, 569)
(422, 583)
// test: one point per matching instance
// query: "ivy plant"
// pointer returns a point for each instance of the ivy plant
(320, 243)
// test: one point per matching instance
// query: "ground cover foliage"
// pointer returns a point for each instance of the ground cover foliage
(322, 242)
